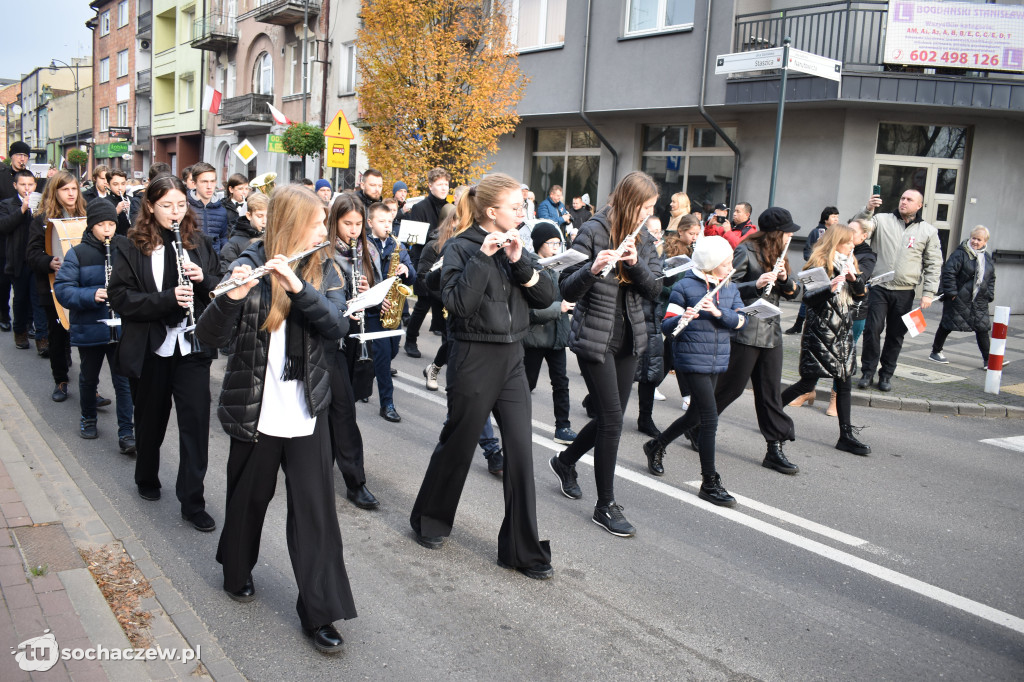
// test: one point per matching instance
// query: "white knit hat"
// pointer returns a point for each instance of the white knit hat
(710, 252)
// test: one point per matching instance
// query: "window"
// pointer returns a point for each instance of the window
(104, 119)
(105, 23)
(904, 139)
(691, 159)
(229, 81)
(104, 69)
(567, 157)
(295, 85)
(122, 63)
(187, 92)
(537, 23)
(188, 24)
(347, 69)
(263, 75)
(122, 13)
(651, 16)
(122, 114)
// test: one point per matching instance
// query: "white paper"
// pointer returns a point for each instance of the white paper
(370, 336)
(884, 277)
(413, 231)
(33, 201)
(761, 309)
(815, 278)
(561, 261)
(370, 298)
(116, 322)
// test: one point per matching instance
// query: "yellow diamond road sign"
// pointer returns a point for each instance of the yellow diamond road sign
(245, 151)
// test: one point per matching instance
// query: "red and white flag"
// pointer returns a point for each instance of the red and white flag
(279, 118)
(211, 100)
(915, 322)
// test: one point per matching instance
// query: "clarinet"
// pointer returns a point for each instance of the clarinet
(357, 274)
(184, 281)
(108, 269)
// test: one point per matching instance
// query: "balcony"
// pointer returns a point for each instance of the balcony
(214, 32)
(144, 82)
(286, 12)
(145, 25)
(246, 113)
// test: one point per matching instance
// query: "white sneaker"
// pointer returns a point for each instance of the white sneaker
(686, 403)
(658, 395)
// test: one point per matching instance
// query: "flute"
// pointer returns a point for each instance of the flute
(683, 321)
(259, 272)
(779, 263)
(622, 248)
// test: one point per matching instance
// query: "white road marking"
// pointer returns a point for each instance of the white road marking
(888, 575)
(1015, 443)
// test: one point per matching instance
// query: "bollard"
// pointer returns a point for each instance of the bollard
(1000, 325)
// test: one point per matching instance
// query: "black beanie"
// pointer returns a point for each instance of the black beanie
(99, 210)
(20, 147)
(543, 231)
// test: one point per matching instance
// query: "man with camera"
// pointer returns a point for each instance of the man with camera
(718, 222)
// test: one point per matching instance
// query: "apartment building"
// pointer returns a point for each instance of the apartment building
(176, 78)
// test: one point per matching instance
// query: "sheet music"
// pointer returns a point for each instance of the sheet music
(561, 261)
(370, 298)
(884, 277)
(413, 231)
(370, 336)
(815, 278)
(761, 309)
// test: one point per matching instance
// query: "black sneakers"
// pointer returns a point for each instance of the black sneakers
(87, 428)
(566, 478)
(712, 491)
(655, 452)
(537, 572)
(610, 518)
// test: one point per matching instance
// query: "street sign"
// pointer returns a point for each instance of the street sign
(120, 132)
(758, 60)
(823, 67)
(339, 127)
(337, 152)
(275, 143)
(245, 151)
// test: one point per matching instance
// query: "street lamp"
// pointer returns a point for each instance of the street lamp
(74, 70)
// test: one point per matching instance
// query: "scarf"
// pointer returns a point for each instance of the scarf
(295, 356)
(840, 262)
(979, 276)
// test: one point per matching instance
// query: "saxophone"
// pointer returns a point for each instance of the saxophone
(391, 318)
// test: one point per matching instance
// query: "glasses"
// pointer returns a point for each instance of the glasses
(516, 208)
(553, 242)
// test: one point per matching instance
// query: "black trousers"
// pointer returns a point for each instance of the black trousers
(609, 384)
(763, 366)
(481, 378)
(982, 335)
(419, 314)
(314, 538)
(702, 411)
(807, 384)
(60, 343)
(346, 440)
(185, 381)
(22, 287)
(885, 307)
(557, 373)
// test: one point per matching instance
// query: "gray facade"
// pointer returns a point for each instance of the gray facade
(832, 150)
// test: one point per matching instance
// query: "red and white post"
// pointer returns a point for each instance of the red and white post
(1000, 325)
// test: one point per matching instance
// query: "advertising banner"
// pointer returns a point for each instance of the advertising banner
(960, 35)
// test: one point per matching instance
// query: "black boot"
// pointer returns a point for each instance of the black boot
(797, 327)
(586, 406)
(645, 424)
(848, 441)
(693, 435)
(712, 491)
(655, 452)
(884, 383)
(775, 458)
(865, 380)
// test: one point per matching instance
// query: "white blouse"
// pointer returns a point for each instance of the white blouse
(177, 333)
(284, 412)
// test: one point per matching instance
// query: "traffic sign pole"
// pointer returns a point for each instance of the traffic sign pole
(778, 120)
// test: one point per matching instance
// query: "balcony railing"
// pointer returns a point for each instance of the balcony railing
(851, 32)
(251, 108)
(143, 81)
(286, 12)
(214, 32)
(145, 23)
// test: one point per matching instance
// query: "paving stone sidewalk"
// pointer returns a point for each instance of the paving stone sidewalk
(922, 385)
(50, 510)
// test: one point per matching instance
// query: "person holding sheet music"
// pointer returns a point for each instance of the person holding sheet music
(826, 347)
(608, 332)
(701, 354)
(61, 200)
(762, 272)
(428, 210)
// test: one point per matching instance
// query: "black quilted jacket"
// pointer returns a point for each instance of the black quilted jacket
(962, 311)
(826, 349)
(595, 296)
(239, 322)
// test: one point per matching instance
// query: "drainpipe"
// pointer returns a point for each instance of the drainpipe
(323, 65)
(583, 103)
(707, 117)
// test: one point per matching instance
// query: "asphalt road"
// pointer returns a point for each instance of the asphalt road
(903, 565)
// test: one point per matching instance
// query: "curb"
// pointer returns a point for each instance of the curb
(891, 402)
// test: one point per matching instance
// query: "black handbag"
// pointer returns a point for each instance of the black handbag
(359, 357)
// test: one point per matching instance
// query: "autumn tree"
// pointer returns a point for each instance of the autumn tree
(439, 82)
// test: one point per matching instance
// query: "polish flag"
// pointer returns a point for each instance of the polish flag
(915, 322)
(211, 100)
(279, 118)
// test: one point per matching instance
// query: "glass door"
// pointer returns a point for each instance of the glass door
(938, 181)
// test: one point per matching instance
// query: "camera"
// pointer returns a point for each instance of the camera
(720, 219)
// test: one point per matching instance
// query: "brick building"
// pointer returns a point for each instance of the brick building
(10, 125)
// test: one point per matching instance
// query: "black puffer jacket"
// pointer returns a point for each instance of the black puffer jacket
(243, 235)
(594, 317)
(225, 320)
(549, 327)
(759, 332)
(826, 348)
(484, 295)
(962, 311)
(651, 367)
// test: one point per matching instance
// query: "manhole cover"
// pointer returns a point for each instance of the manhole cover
(48, 546)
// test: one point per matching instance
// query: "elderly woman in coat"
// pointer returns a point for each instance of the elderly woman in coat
(967, 286)
(826, 347)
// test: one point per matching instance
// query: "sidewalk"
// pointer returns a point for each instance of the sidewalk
(921, 385)
(50, 511)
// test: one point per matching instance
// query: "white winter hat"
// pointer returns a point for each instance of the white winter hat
(710, 252)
